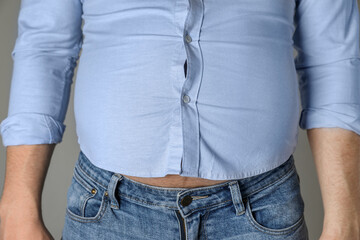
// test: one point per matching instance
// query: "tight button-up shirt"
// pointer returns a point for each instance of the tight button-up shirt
(233, 112)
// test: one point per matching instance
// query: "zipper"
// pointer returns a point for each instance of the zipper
(182, 225)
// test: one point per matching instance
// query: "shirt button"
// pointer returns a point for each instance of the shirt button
(186, 200)
(186, 98)
(188, 38)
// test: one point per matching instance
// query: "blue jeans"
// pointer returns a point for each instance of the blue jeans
(105, 205)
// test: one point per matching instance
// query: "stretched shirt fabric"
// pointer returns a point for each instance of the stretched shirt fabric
(233, 115)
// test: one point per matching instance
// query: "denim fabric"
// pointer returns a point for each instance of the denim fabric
(106, 205)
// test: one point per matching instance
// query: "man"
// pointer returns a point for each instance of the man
(204, 153)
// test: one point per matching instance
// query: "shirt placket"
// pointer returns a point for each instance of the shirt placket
(190, 88)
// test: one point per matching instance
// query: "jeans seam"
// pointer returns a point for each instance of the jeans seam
(91, 178)
(210, 205)
(79, 180)
(167, 206)
(98, 217)
(276, 232)
(280, 179)
(178, 223)
(205, 219)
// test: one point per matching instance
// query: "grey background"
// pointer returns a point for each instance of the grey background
(61, 168)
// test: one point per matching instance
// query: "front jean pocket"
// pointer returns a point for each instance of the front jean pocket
(278, 208)
(86, 200)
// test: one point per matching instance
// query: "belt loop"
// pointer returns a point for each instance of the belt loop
(237, 198)
(111, 190)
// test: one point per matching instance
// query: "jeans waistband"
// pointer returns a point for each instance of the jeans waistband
(186, 200)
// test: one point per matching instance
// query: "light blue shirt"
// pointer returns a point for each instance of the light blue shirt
(235, 114)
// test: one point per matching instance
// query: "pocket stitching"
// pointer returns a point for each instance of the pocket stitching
(263, 228)
(275, 182)
(88, 187)
(97, 217)
(269, 230)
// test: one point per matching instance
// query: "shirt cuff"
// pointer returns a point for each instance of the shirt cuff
(344, 116)
(31, 128)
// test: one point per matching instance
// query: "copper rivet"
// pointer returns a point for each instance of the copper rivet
(106, 193)
(93, 191)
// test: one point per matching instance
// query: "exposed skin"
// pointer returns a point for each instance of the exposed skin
(175, 180)
(336, 153)
(26, 169)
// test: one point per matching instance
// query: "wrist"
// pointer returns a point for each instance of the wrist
(27, 214)
(27, 208)
(342, 213)
(339, 226)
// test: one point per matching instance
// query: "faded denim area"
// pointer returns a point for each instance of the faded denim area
(106, 205)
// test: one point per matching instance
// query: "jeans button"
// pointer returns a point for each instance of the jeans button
(186, 200)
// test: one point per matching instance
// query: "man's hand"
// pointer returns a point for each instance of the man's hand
(20, 223)
(336, 153)
(20, 205)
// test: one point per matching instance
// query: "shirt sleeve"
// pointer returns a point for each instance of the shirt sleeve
(45, 53)
(326, 39)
